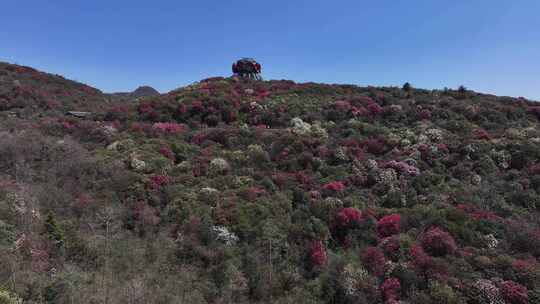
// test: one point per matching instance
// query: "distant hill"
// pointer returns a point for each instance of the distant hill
(142, 91)
(239, 191)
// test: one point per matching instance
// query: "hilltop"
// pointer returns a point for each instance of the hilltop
(241, 191)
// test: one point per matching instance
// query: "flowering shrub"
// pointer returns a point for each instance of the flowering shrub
(438, 242)
(388, 225)
(421, 260)
(219, 166)
(424, 114)
(522, 265)
(158, 181)
(403, 168)
(375, 146)
(167, 127)
(488, 291)
(374, 109)
(390, 289)
(514, 293)
(224, 235)
(359, 111)
(317, 254)
(478, 214)
(9, 298)
(348, 218)
(334, 187)
(147, 109)
(374, 261)
(342, 105)
(166, 152)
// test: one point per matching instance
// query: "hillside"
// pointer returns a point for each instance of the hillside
(235, 191)
(25, 90)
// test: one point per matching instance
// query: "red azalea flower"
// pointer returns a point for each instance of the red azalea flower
(514, 293)
(390, 289)
(336, 186)
(348, 217)
(388, 225)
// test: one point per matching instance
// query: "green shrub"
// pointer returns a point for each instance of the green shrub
(8, 298)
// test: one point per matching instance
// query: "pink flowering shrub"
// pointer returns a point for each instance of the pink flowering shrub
(166, 152)
(390, 290)
(167, 127)
(333, 188)
(438, 242)
(374, 109)
(196, 107)
(420, 259)
(317, 254)
(342, 105)
(478, 214)
(348, 218)
(148, 111)
(374, 261)
(424, 114)
(523, 266)
(514, 293)
(158, 181)
(359, 111)
(138, 127)
(388, 225)
(403, 167)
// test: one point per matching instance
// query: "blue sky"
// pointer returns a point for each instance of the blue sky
(116, 45)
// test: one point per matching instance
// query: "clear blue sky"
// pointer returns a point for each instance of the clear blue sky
(115, 45)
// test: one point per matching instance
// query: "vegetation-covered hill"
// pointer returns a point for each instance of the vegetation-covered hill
(234, 191)
(142, 91)
(24, 90)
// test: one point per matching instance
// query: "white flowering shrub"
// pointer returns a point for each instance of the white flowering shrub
(219, 166)
(489, 292)
(299, 127)
(224, 235)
